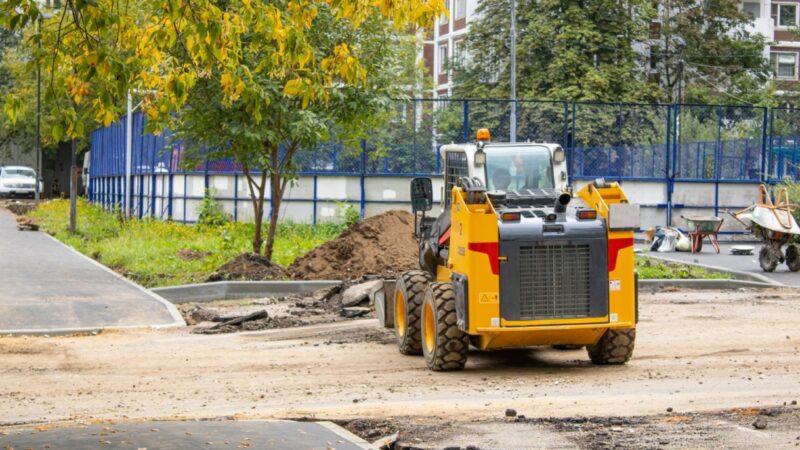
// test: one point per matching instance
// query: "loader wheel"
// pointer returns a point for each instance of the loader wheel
(615, 347)
(767, 259)
(793, 257)
(409, 293)
(444, 345)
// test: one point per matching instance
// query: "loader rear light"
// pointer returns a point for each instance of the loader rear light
(510, 217)
(587, 214)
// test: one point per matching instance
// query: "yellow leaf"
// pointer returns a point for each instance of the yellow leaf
(293, 87)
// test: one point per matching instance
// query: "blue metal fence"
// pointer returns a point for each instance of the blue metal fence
(620, 141)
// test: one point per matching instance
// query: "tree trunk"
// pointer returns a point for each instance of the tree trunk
(276, 194)
(257, 198)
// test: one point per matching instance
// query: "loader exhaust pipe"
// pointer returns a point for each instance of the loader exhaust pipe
(562, 202)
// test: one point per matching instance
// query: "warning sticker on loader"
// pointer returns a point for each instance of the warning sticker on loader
(614, 285)
(487, 297)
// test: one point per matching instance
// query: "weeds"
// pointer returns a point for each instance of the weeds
(650, 268)
(146, 250)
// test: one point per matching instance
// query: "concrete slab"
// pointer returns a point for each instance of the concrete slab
(272, 434)
(234, 290)
(47, 287)
(724, 260)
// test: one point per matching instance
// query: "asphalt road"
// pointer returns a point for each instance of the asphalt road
(725, 260)
(188, 435)
(47, 287)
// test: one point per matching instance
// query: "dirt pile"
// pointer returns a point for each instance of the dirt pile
(248, 266)
(19, 208)
(382, 245)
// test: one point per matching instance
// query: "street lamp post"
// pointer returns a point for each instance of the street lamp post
(513, 116)
(38, 114)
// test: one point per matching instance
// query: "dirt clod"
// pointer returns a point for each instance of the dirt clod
(248, 266)
(382, 245)
(511, 412)
(192, 255)
(760, 423)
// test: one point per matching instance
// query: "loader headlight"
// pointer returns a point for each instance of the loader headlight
(480, 157)
(558, 155)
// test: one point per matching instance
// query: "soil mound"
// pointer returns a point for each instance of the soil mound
(19, 208)
(248, 266)
(382, 245)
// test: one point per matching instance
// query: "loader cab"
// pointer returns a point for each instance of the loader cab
(504, 167)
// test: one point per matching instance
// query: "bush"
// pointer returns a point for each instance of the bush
(210, 211)
(347, 214)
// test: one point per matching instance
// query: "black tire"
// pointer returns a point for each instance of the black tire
(793, 257)
(444, 345)
(409, 292)
(615, 347)
(767, 260)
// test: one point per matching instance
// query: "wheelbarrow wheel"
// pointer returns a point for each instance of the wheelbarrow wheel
(767, 259)
(793, 257)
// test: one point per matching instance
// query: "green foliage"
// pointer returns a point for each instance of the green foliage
(347, 213)
(566, 50)
(210, 211)
(146, 250)
(654, 269)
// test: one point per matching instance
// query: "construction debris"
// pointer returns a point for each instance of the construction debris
(360, 293)
(25, 223)
(321, 306)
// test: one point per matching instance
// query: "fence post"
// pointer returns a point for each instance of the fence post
(363, 175)
(314, 203)
(235, 196)
(717, 157)
(764, 142)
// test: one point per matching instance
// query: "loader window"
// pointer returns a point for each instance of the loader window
(455, 165)
(509, 168)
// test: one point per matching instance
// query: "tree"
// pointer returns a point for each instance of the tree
(566, 50)
(279, 73)
(705, 45)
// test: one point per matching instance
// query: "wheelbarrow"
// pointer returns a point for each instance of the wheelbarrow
(774, 225)
(701, 226)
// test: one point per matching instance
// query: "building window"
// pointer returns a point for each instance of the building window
(443, 59)
(461, 9)
(458, 53)
(784, 65)
(752, 9)
(446, 15)
(784, 15)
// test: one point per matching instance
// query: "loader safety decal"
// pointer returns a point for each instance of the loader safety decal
(614, 246)
(491, 249)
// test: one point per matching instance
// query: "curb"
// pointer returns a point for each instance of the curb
(704, 284)
(234, 290)
(740, 276)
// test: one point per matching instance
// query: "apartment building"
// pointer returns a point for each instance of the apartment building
(445, 43)
(777, 20)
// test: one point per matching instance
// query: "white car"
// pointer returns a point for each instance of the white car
(18, 180)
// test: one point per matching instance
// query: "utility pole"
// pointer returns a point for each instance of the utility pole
(513, 116)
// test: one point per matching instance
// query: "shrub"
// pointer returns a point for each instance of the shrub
(210, 211)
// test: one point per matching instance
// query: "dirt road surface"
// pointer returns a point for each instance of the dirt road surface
(706, 365)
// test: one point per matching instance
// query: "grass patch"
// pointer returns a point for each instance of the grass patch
(146, 251)
(655, 269)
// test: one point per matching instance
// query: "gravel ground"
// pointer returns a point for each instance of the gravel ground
(716, 360)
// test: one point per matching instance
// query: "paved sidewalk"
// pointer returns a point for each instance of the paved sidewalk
(47, 287)
(748, 264)
(270, 434)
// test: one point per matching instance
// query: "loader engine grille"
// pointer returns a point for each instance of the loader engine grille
(554, 282)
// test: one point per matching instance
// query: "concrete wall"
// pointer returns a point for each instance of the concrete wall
(383, 193)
